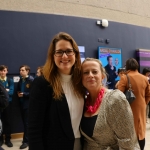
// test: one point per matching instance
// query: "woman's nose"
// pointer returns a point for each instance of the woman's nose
(90, 74)
(64, 55)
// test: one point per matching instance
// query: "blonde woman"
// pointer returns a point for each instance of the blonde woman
(107, 122)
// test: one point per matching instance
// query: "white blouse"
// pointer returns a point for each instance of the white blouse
(75, 103)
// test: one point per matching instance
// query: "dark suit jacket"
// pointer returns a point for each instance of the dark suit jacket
(4, 98)
(111, 76)
(49, 119)
(28, 82)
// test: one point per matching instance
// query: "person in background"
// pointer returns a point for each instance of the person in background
(116, 62)
(107, 121)
(111, 71)
(146, 72)
(39, 71)
(120, 72)
(56, 101)
(4, 102)
(8, 84)
(141, 90)
(23, 91)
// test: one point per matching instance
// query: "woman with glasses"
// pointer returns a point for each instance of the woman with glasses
(56, 101)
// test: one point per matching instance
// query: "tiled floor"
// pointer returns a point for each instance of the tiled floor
(147, 147)
(16, 145)
(17, 142)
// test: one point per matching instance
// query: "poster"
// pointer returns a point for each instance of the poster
(16, 78)
(143, 58)
(110, 58)
(82, 52)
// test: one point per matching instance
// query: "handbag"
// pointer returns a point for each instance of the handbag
(128, 93)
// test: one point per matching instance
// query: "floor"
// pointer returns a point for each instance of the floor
(17, 142)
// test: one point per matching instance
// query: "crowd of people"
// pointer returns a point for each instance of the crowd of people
(69, 107)
(23, 91)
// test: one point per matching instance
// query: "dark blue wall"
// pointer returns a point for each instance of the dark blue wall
(25, 37)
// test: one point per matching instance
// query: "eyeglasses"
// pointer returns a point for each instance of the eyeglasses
(60, 53)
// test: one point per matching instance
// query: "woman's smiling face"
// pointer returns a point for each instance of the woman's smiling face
(64, 62)
(91, 75)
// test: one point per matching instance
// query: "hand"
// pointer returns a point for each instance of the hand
(7, 90)
(112, 67)
(20, 94)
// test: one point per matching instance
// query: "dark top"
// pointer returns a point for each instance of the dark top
(50, 125)
(8, 84)
(4, 97)
(24, 86)
(111, 76)
(88, 124)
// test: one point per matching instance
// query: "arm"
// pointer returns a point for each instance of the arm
(3, 98)
(122, 83)
(120, 119)
(18, 86)
(115, 74)
(27, 93)
(37, 112)
(147, 93)
(11, 88)
(116, 86)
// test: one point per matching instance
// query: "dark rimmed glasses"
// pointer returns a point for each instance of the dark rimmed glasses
(60, 53)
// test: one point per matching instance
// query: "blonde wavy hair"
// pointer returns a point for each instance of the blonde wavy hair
(51, 73)
(102, 69)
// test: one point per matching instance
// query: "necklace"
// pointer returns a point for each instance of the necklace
(90, 108)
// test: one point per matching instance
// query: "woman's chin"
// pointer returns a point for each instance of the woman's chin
(91, 88)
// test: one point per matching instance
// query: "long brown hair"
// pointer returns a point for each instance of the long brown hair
(50, 69)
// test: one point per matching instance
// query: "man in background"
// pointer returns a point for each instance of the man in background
(111, 71)
(23, 91)
(4, 102)
(39, 71)
(8, 84)
(116, 62)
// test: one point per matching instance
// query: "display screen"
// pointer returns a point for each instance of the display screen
(82, 52)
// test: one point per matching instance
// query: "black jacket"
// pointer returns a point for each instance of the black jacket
(49, 119)
(4, 98)
(28, 83)
(111, 76)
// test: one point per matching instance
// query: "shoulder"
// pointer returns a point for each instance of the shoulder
(115, 97)
(138, 75)
(1, 87)
(106, 66)
(41, 86)
(40, 81)
(30, 78)
(9, 79)
(123, 77)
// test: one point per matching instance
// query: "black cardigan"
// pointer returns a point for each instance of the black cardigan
(49, 119)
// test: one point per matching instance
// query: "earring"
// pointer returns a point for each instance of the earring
(86, 95)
